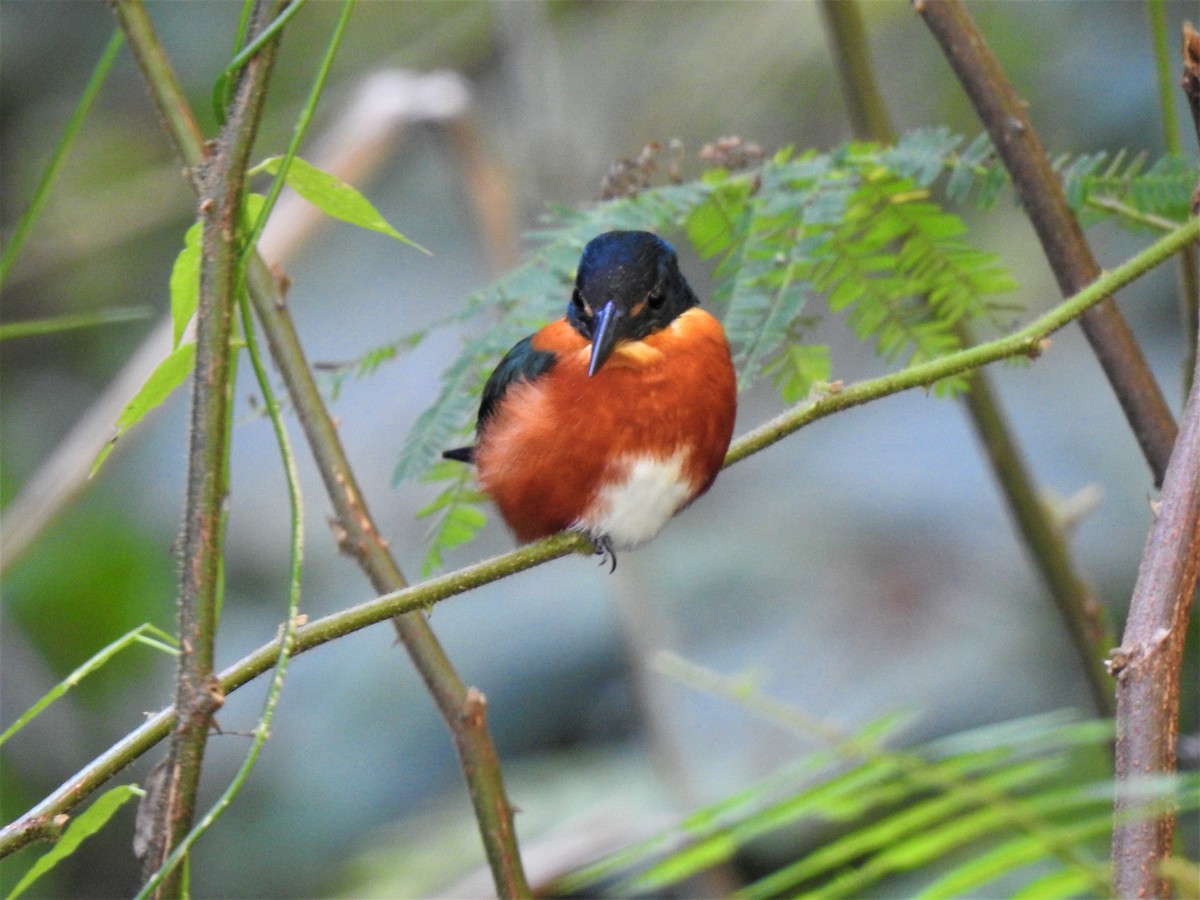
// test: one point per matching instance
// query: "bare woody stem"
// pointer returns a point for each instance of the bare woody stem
(1007, 121)
(1043, 539)
(39, 822)
(1147, 666)
(463, 709)
(1149, 661)
(219, 174)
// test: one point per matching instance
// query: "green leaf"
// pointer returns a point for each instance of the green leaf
(333, 196)
(169, 374)
(712, 226)
(83, 827)
(459, 517)
(798, 368)
(55, 324)
(145, 633)
(185, 282)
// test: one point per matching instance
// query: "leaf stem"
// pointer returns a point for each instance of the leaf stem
(1189, 263)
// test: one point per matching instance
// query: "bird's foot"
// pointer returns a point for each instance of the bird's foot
(606, 553)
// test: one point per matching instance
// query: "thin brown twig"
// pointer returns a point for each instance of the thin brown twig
(1040, 190)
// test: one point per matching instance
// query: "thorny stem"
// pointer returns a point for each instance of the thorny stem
(220, 175)
(1040, 190)
(1030, 340)
(1043, 538)
(463, 709)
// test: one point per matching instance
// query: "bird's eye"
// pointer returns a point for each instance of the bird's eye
(656, 298)
(577, 300)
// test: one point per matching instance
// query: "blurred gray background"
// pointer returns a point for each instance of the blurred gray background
(865, 565)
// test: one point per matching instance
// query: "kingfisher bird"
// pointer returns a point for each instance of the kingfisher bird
(615, 417)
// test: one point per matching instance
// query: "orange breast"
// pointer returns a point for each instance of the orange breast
(556, 442)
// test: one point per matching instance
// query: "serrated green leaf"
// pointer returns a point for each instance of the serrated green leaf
(185, 282)
(81, 828)
(168, 375)
(333, 196)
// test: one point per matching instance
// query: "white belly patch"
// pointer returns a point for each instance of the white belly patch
(633, 510)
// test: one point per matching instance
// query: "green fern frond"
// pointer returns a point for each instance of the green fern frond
(1001, 810)
(899, 264)
(1162, 189)
(765, 279)
(456, 513)
(925, 154)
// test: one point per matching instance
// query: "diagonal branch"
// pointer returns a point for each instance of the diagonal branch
(462, 708)
(39, 822)
(1007, 121)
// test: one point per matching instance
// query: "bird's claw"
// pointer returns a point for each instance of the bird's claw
(606, 553)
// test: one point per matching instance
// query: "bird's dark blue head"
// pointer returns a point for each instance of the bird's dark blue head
(628, 286)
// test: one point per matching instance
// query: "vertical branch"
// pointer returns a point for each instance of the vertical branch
(463, 709)
(219, 173)
(1084, 617)
(1007, 121)
(1147, 666)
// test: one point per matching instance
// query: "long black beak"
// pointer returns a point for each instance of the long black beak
(605, 333)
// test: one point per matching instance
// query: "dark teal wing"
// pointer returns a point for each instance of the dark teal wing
(521, 363)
